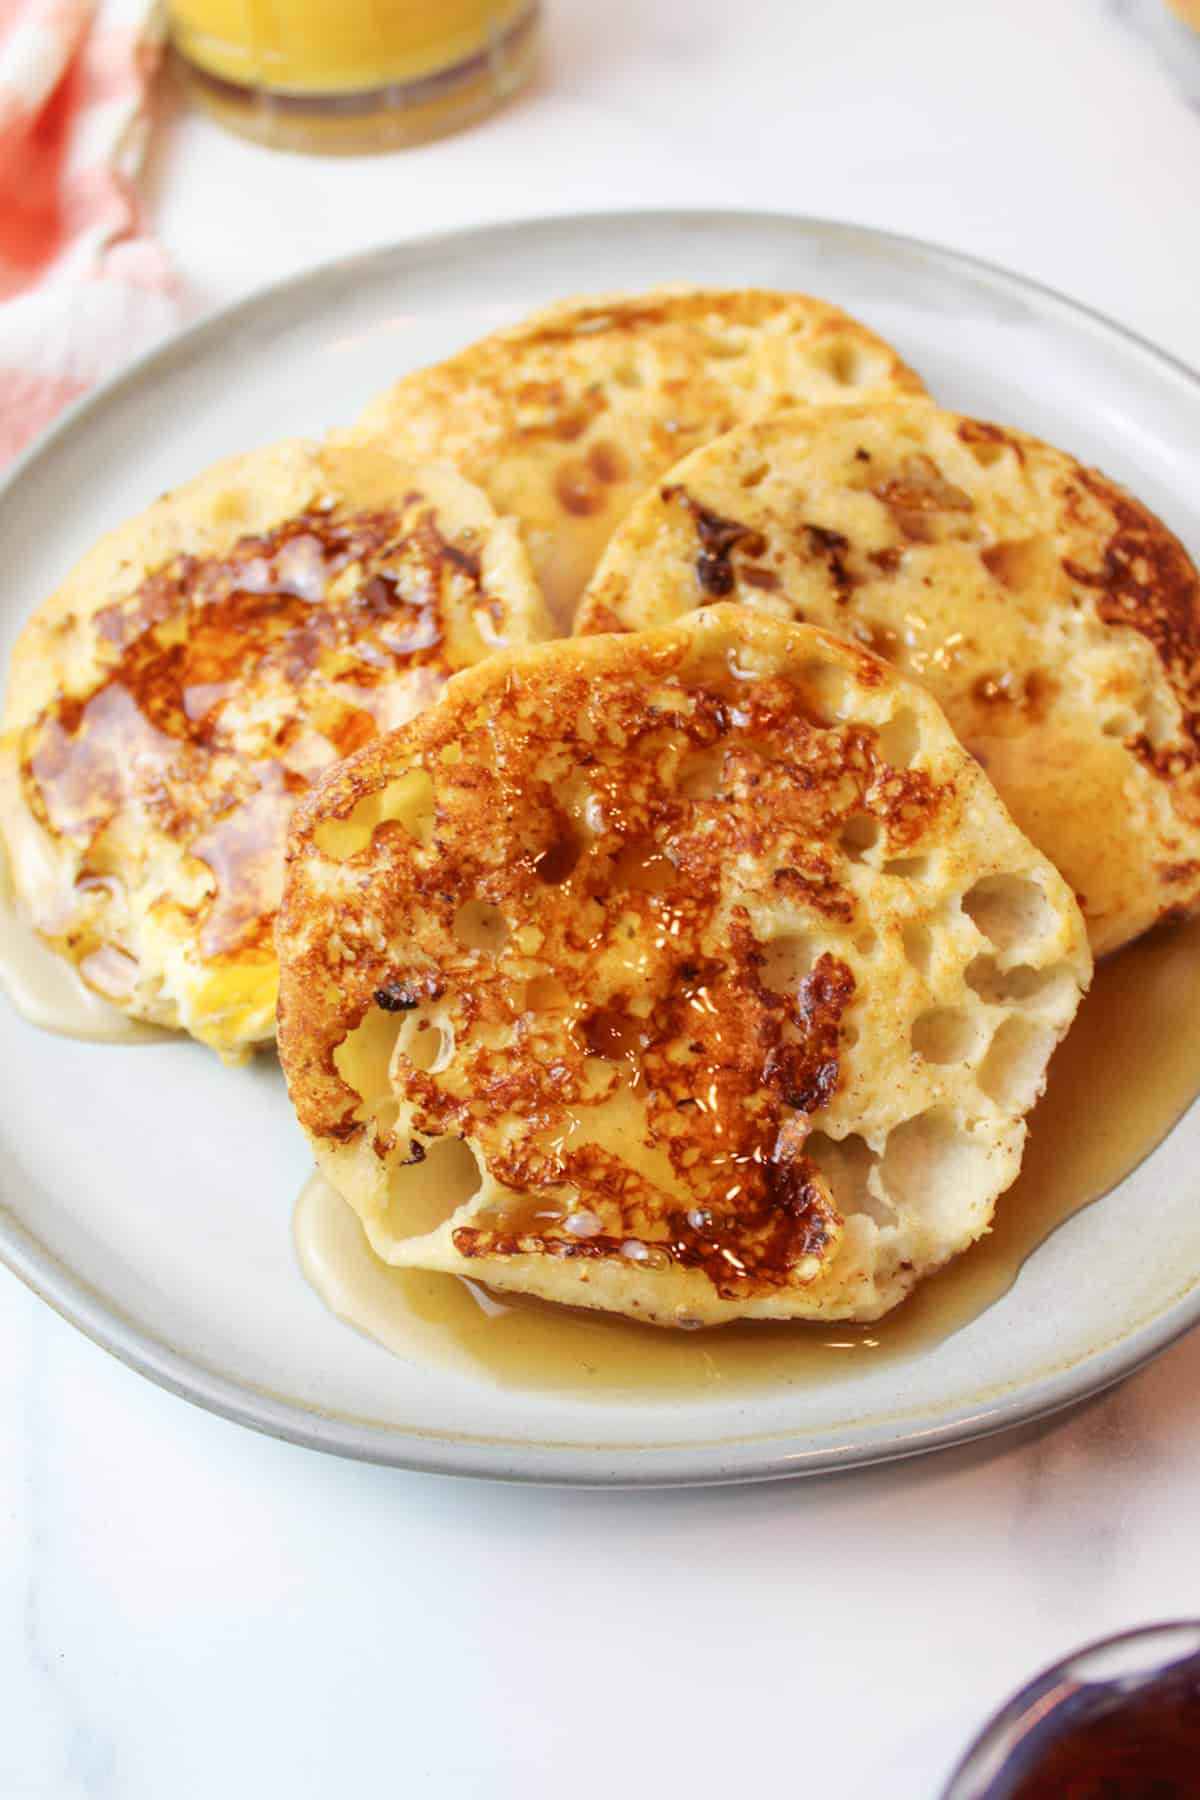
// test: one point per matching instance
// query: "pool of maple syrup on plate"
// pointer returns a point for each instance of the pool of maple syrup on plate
(1123, 1076)
(1127, 1070)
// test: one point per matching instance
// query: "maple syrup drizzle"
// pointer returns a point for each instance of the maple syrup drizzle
(1124, 1075)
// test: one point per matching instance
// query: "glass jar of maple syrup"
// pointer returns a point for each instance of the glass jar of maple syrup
(1117, 1721)
(345, 76)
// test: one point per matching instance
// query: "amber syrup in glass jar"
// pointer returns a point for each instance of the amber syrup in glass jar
(1118, 1720)
(1140, 1746)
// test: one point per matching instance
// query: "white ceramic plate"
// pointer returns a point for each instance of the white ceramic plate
(147, 1192)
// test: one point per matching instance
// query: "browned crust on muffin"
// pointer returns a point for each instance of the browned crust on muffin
(568, 895)
(1051, 613)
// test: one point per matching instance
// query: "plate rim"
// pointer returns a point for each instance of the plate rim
(698, 1462)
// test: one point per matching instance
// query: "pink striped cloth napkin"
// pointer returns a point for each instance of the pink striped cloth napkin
(81, 285)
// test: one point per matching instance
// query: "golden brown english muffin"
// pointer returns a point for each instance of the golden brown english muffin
(695, 975)
(198, 671)
(564, 419)
(1052, 615)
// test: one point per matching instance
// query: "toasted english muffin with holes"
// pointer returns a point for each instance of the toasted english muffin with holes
(192, 678)
(697, 974)
(1053, 616)
(565, 418)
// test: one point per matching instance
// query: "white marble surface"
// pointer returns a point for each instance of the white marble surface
(189, 1610)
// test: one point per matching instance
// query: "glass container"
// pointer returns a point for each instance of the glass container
(347, 76)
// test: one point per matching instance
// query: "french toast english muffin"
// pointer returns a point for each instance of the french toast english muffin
(1051, 614)
(694, 974)
(197, 672)
(564, 419)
